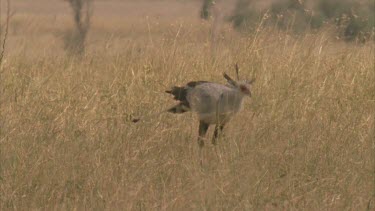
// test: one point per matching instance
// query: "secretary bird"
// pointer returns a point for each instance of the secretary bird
(214, 103)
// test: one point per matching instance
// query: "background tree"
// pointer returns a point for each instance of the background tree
(74, 39)
(206, 9)
(6, 26)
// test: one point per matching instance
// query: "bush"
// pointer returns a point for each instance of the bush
(243, 13)
(354, 20)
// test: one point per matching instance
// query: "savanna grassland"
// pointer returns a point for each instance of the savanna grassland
(304, 141)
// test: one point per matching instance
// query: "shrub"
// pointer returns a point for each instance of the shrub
(354, 20)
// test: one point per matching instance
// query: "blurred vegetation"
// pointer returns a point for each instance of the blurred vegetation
(354, 20)
(74, 39)
(205, 11)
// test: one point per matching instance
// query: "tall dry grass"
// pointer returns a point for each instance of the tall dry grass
(304, 141)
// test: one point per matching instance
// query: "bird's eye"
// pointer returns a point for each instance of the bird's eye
(243, 88)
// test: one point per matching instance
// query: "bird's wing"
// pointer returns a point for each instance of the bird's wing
(204, 98)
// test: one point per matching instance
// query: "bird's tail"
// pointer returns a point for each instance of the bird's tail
(178, 109)
(179, 93)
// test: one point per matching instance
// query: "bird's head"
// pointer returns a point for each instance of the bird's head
(244, 86)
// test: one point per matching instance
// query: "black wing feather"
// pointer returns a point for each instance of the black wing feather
(180, 93)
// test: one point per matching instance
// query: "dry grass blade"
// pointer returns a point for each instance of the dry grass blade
(304, 141)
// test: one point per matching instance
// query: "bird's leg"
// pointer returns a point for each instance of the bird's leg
(218, 129)
(219, 125)
(203, 127)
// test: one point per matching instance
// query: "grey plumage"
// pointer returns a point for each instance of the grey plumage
(214, 103)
